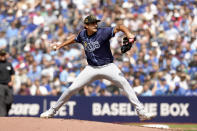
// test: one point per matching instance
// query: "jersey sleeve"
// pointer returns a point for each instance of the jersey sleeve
(108, 32)
(78, 38)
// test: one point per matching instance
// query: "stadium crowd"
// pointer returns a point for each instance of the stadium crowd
(162, 62)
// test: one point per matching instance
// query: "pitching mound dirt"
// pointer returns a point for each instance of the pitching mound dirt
(40, 124)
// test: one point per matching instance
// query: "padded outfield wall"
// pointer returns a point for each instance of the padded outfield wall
(110, 109)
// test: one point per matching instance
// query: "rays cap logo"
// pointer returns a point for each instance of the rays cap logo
(91, 19)
(2, 52)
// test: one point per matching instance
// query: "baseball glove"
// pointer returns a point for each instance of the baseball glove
(127, 44)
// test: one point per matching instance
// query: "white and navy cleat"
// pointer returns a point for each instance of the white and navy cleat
(147, 116)
(48, 114)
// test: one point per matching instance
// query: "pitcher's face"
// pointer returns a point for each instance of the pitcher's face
(92, 27)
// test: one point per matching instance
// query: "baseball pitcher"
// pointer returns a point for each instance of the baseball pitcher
(100, 63)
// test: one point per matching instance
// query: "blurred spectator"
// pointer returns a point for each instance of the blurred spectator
(193, 63)
(137, 87)
(193, 90)
(3, 41)
(183, 81)
(24, 90)
(193, 66)
(63, 77)
(161, 87)
(89, 91)
(20, 78)
(37, 89)
(45, 83)
(34, 72)
(173, 79)
(56, 86)
(104, 92)
(178, 91)
(146, 90)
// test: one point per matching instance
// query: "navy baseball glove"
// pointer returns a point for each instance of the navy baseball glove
(127, 44)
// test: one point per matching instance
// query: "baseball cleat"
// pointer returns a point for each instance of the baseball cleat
(48, 114)
(146, 116)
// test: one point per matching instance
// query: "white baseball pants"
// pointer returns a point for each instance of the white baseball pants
(110, 72)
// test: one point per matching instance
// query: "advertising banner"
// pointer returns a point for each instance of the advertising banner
(109, 109)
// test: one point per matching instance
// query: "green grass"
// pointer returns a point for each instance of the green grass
(184, 127)
(178, 126)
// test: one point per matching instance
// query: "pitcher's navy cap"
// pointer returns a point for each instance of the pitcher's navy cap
(91, 19)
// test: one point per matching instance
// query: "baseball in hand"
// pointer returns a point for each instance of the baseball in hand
(54, 47)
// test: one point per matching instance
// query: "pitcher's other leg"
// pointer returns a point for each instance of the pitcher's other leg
(86, 76)
(113, 73)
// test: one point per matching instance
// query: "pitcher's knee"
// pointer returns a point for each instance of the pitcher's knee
(121, 83)
(124, 81)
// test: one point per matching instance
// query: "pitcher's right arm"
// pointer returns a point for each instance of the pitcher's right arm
(71, 40)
